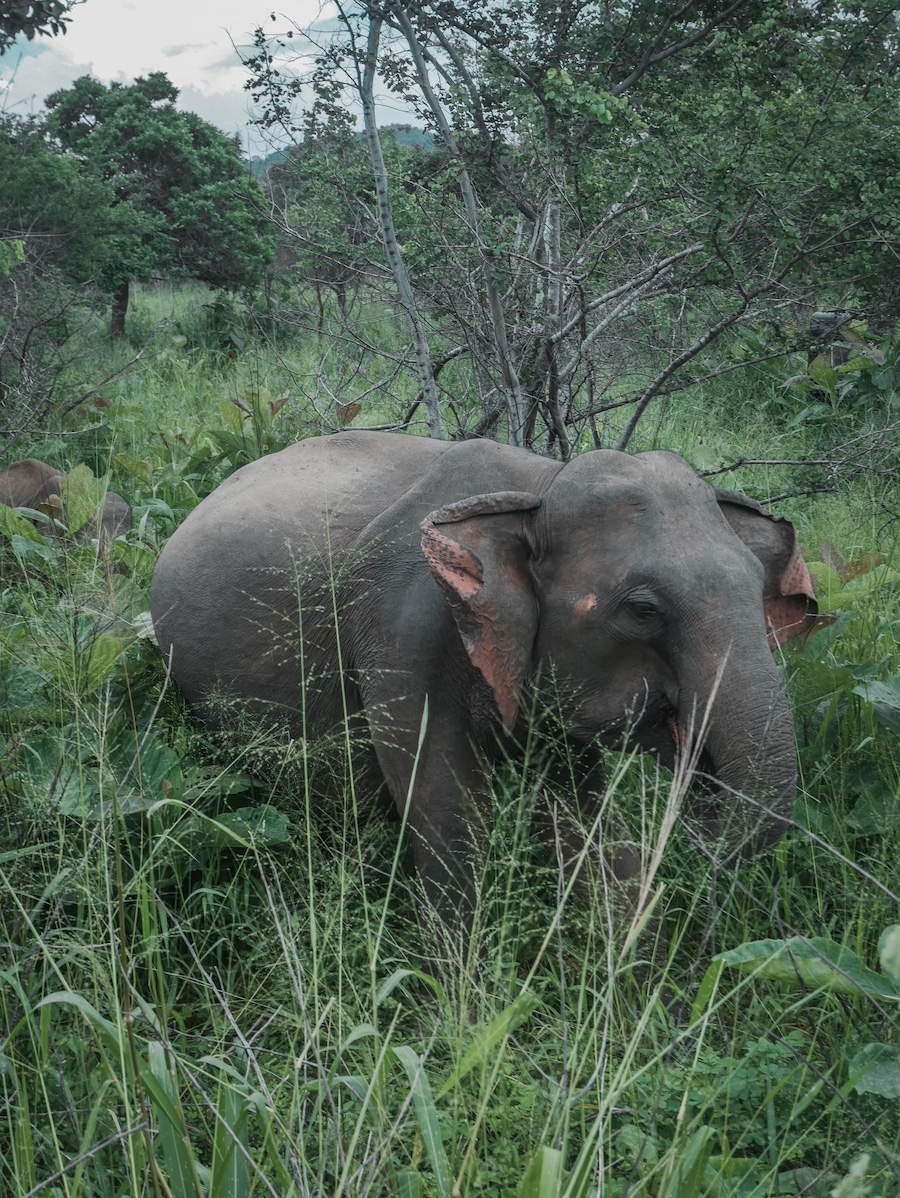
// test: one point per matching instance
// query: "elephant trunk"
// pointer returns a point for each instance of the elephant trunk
(749, 749)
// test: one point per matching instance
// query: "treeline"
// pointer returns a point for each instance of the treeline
(607, 204)
(111, 184)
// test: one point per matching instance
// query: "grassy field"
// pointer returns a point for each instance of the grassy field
(210, 988)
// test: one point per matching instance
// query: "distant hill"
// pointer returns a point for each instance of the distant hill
(403, 135)
(408, 135)
(259, 166)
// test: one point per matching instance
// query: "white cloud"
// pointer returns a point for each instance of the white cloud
(116, 40)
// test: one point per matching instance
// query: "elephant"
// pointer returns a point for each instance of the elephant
(364, 575)
(35, 485)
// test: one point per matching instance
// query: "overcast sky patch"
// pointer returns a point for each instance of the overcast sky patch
(117, 40)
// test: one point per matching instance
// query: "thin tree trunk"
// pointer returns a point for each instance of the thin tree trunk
(512, 387)
(389, 235)
(119, 308)
(553, 260)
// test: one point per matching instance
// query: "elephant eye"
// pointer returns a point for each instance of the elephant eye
(643, 608)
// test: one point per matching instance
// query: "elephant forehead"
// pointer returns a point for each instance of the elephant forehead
(607, 466)
(633, 546)
(628, 511)
(656, 486)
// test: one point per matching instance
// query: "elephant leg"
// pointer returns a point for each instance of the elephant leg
(449, 841)
(437, 782)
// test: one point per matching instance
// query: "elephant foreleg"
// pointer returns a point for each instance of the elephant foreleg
(437, 783)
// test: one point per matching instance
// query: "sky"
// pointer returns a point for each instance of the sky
(116, 40)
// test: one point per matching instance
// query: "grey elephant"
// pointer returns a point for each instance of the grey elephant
(35, 485)
(359, 575)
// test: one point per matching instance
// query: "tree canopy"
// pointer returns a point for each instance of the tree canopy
(193, 211)
(628, 175)
(32, 17)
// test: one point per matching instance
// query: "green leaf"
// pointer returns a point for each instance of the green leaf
(815, 962)
(885, 699)
(822, 372)
(409, 1184)
(149, 764)
(878, 1067)
(706, 990)
(230, 1174)
(427, 1118)
(82, 496)
(262, 824)
(889, 950)
(20, 688)
(830, 591)
(98, 660)
(110, 1033)
(33, 549)
(142, 471)
(203, 780)
(50, 770)
(13, 524)
(687, 1179)
(489, 1037)
(544, 1176)
(876, 813)
(137, 559)
(358, 1086)
(638, 1147)
(362, 1031)
(399, 976)
(173, 1133)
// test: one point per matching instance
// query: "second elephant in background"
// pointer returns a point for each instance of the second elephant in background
(41, 488)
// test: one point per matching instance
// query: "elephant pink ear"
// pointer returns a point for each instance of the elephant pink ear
(789, 601)
(481, 566)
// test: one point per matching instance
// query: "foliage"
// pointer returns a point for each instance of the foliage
(65, 215)
(187, 206)
(211, 985)
(32, 17)
(611, 190)
(868, 375)
(57, 226)
(319, 193)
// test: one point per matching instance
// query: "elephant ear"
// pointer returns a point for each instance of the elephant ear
(479, 559)
(789, 601)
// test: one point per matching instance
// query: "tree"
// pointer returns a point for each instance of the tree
(319, 195)
(621, 185)
(32, 17)
(58, 229)
(193, 209)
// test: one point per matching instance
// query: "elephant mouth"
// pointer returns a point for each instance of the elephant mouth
(656, 729)
(652, 728)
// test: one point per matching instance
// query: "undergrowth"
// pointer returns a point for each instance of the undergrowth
(210, 985)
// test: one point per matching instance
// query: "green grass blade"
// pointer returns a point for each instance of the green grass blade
(230, 1171)
(427, 1116)
(489, 1037)
(686, 1178)
(173, 1133)
(409, 1184)
(544, 1176)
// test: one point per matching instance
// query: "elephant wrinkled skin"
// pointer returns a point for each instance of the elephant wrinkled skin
(362, 574)
(35, 485)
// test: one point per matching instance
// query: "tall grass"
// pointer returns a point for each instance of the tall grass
(211, 986)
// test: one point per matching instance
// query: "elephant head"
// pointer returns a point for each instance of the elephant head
(650, 603)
